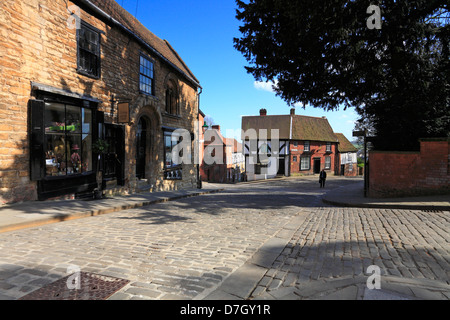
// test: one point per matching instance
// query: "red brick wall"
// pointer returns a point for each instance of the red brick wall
(394, 174)
(317, 150)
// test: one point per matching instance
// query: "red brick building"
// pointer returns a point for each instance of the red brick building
(307, 145)
(226, 159)
(74, 72)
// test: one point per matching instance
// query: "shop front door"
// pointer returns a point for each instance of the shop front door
(114, 160)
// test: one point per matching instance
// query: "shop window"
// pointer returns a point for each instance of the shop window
(67, 140)
(172, 170)
(88, 50)
(146, 75)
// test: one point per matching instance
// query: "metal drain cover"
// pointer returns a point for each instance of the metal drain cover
(82, 286)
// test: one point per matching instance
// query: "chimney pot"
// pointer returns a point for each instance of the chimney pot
(263, 112)
(292, 111)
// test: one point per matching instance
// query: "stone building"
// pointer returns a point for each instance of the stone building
(78, 73)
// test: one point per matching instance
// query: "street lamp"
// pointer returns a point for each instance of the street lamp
(205, 127)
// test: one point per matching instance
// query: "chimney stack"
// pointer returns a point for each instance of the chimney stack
(292, 111)
(216, 127)
(263, 112)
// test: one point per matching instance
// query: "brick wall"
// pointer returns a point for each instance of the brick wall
(317, 150)
(427, 172)
(38, 46)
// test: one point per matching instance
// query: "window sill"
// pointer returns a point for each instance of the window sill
(69, 176)
(148, 94)
(174, 116)
(87, 74)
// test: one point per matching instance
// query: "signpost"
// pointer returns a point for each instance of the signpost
(363, 134)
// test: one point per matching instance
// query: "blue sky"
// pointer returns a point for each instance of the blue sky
(202, 32)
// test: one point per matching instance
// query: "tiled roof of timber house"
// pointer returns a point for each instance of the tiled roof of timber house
(127, 20)
(312, 129)
(301, 128)
(344, 144)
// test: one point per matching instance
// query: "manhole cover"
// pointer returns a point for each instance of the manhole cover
(79, 286)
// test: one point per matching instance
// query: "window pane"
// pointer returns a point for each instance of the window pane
(73, 119)
(56, 153)
(87, 120)
(327, 162)
(86, 158)
(304, 163)
(54, 117)
(74, 161)
(306, 145)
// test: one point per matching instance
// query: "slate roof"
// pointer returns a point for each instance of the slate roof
(128, 21)
(344, 144)
(292, 127)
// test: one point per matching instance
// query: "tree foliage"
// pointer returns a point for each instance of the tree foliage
(322, 53)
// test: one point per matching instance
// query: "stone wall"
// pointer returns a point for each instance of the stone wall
(38, 45)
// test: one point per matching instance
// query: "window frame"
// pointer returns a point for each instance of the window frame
(171, 97)
(327, 166)
(67, 136)
(171, 172)
(152, 79)
(301, 163)
(307, 146)
(81, 70)
(328, 147)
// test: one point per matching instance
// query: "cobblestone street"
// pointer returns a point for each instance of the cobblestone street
(188, 248)
(336, 244)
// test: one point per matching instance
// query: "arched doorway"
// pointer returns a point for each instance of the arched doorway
(141, 147)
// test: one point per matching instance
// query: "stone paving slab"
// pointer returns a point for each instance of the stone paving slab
(353, 196)
(34, 214)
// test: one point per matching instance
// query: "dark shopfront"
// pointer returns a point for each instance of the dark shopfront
(63, 128)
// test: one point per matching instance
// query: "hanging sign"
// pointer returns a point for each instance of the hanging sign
(123, 111)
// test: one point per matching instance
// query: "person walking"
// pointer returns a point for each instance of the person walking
(322, 178)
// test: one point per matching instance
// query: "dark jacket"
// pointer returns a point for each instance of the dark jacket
(322, 175)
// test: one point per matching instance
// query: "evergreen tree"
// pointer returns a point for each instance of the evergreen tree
(330, 54)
